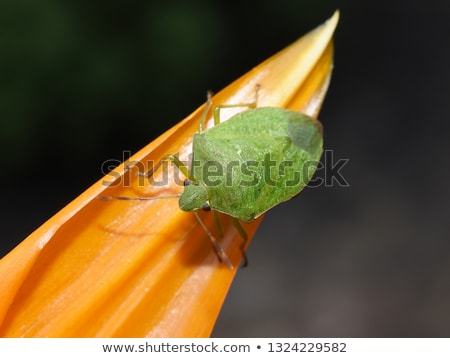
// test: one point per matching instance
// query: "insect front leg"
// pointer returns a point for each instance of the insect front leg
(219, 250)
(174, 159)
(241, 231)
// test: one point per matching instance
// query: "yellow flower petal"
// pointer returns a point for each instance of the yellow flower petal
(136, 269)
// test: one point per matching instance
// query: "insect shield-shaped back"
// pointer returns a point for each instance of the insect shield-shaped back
(255, 160)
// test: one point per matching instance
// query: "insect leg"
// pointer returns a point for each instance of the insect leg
(219, 250)
(221, 106)
(177, 162)
(217, 222)
(243, 234)
(205, 111)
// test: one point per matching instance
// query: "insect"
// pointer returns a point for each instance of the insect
(246, 165)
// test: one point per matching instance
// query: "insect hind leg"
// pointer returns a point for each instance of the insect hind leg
(222, 106)
(216, 111)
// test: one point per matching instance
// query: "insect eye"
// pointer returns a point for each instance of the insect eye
(188, 182)
(206, 207)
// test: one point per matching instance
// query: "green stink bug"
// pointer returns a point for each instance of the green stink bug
(246, 165)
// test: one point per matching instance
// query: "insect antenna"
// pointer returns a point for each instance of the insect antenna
(138, 198)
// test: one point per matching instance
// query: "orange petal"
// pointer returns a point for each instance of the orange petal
(135, 269)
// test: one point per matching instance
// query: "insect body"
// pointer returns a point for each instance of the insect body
(247, 165)
(252, 162)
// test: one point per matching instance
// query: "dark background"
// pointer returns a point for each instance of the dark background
(80, 82)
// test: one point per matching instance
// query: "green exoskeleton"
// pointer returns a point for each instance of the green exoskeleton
(248, 164)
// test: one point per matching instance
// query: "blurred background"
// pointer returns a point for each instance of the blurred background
(81, 82)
